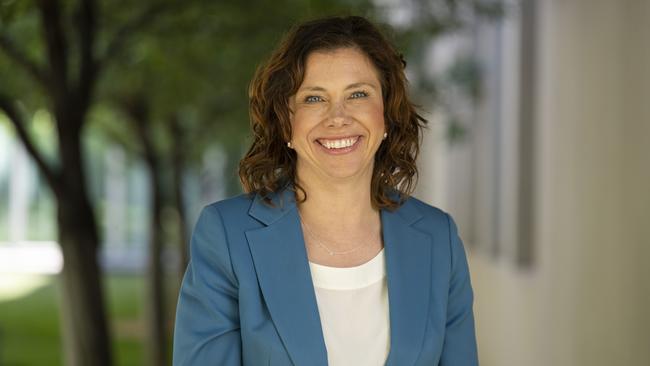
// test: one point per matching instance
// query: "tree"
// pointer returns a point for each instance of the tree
(55, 47)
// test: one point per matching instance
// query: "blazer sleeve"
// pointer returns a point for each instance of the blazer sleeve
(207, 328)
(459, 348)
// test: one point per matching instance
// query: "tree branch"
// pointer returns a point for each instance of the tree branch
(16, 119)
(21, 59)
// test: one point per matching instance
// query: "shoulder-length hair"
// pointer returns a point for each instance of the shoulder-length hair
(270, 165)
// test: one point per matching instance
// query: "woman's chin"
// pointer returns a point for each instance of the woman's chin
(346, 173)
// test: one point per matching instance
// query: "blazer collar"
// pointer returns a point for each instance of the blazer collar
(283, 272)
(283, 201)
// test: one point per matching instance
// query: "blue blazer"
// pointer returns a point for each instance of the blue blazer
(247, 297)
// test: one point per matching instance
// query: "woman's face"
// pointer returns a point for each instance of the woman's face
(337, 117)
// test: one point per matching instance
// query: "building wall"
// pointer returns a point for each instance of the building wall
(585, 299)
(594, 171)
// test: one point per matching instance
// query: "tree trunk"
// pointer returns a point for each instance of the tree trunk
(137, 107)
(85, 331)
(155, 277)
(179, 202)
(178, 160)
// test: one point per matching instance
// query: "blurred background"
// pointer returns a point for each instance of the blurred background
(119, 120)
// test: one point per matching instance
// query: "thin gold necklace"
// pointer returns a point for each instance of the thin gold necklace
(320, 243)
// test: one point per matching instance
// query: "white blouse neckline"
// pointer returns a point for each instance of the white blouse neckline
(349, 278)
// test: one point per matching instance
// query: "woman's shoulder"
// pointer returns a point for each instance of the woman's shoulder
(230, 213)
(240, 203)
(425, 216)
(424, 209)
(435, 222)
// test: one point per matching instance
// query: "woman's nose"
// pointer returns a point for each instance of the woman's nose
(338, 115)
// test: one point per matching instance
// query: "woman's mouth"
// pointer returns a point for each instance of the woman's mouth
(339, 145)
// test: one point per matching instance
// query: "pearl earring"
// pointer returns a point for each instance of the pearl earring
(385, 135)
(289, 144)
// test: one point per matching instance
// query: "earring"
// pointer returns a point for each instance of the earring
(289, 144)
(385, 135)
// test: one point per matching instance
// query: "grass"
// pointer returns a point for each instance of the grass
(29, 325)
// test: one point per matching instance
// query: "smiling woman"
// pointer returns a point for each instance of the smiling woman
(372, 68)
(328, 260)
(337, 118)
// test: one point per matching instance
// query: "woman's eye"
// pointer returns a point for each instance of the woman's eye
(313, 99)
(358, 94)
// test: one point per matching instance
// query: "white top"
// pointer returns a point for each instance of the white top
(353, 307)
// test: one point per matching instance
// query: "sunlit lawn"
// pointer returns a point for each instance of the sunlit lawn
(29, 323)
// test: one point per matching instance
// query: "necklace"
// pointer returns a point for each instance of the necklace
(320, 242)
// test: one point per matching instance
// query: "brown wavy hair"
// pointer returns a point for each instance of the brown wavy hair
(269, 165)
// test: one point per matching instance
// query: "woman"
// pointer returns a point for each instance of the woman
(327, 260)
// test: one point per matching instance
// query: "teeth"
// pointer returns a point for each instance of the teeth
(338, 144)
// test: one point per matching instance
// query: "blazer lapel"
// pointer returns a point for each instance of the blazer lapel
(408, 270)
(280, 259)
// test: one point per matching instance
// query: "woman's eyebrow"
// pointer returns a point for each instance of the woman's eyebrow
(351, 86)
(312, 88)
(360, 84)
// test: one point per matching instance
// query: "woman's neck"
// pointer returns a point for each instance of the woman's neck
(338, 216)
(342, 206)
